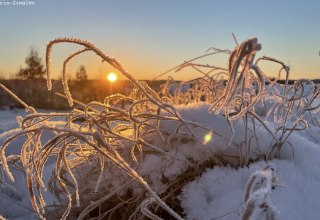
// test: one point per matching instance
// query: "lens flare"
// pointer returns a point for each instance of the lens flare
(207, 138)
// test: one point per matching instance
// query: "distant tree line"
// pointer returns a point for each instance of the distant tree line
(30, 85)
(35, 93)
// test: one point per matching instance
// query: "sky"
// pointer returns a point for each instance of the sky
(149, 37)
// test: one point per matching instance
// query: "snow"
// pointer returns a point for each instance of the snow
(10, 206)
(7, 119)
(219, 192)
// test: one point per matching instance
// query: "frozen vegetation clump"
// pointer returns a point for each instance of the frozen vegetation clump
(104, 161)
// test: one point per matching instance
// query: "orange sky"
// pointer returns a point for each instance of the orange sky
(149, 37)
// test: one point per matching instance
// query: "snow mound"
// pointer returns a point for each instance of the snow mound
(219, 192)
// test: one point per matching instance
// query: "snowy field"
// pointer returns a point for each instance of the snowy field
(218, 193)
(15, 200)
(8, 119)
(17, 206)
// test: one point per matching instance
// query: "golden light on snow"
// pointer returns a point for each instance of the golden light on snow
(112, 77)
(207, 138)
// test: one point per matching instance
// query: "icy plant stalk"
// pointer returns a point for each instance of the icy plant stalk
(145, 210)
(257, 195)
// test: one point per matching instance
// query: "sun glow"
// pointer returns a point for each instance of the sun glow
(112, 77)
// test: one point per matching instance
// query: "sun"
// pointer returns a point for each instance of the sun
(112, 77)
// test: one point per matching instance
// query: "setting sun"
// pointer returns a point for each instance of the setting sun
(112, 77)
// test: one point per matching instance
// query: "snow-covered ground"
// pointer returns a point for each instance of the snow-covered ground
(8, 119)
(17, 205)
(219, 192)
(11, 207)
